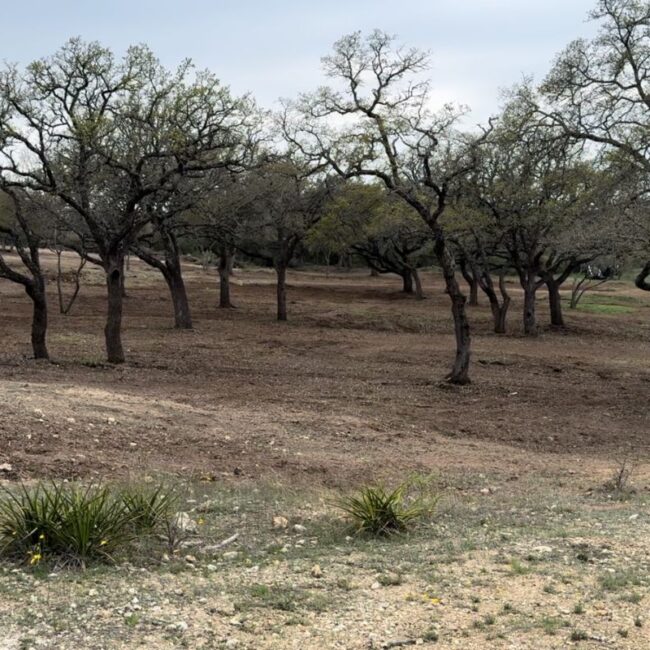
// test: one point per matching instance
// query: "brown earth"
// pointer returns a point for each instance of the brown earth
(351, 388)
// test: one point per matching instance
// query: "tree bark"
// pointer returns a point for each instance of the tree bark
(555, 303)
(460, 370)
(39, 318)
(419, 294)
(174, 278)
(530, 319)
(470, 276)
(407, 282)
(114, 268)
(281, 271)
(641, 280)
(499, 309)
(225, 268)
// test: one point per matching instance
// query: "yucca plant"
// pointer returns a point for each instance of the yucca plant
(70, 524)
(379, 512)
(149, 509)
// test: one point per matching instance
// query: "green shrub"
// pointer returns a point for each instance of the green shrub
(377, 511)
(149, 509)
(74, 525)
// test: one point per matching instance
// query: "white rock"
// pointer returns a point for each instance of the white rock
(299, 528)
(6, 467)
(316, 571)
(185, 523)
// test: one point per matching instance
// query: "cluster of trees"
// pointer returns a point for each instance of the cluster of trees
(111, 157)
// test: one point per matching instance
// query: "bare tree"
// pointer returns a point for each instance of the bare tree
(289, 201)
(599, 89)
(20, 228)
(374, 122)
(105, 137)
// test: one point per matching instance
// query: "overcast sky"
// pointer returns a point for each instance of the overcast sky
(272, 48)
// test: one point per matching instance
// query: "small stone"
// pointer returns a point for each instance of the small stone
(230, 555)
(316, 571)
(485, 491)
(211, 505)
(299, 528)
(6, 467)
(185, 523)
(280, 523)
(232, 643)
(634, 516)
(543, 550)
(211, 567)
(180, 626)
(375, 585)
(190, 559)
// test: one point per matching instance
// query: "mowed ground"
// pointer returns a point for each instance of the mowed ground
(349, 390)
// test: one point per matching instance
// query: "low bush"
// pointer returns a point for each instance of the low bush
(379, 512)
(74, 525)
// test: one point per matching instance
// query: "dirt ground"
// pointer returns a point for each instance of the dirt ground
(526, 550)
(349, 389)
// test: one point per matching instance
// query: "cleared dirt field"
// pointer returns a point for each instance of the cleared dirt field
(527, 550)
(350, 387)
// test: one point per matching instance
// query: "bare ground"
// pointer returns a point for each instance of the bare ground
(349, 391)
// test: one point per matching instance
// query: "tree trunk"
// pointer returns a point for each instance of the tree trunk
(407, 282)
(499, 309)
(281, 271)
(174, 277)
(555, 303)
(470, 276)
(530, 323)
(113, 331)
(460, 371)
(473, 292)
(419, 294)
(641, 280)
(39, 319)
(225, 267)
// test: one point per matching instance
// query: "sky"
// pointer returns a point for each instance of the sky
(273, 49)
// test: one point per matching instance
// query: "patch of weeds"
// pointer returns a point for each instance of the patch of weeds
(618, 580)
(278, 597)
(132, 619)
(431, 635)
(579, 635)
(550, 588)
(551, 625)
(518, 568)
(623, 633)
(578, 608)
(633, 597)
(390, 579)
(619, 484)
(638, 622)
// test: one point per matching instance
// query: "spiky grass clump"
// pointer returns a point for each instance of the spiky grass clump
(379, 512)
(73, 525)
(149, 509)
